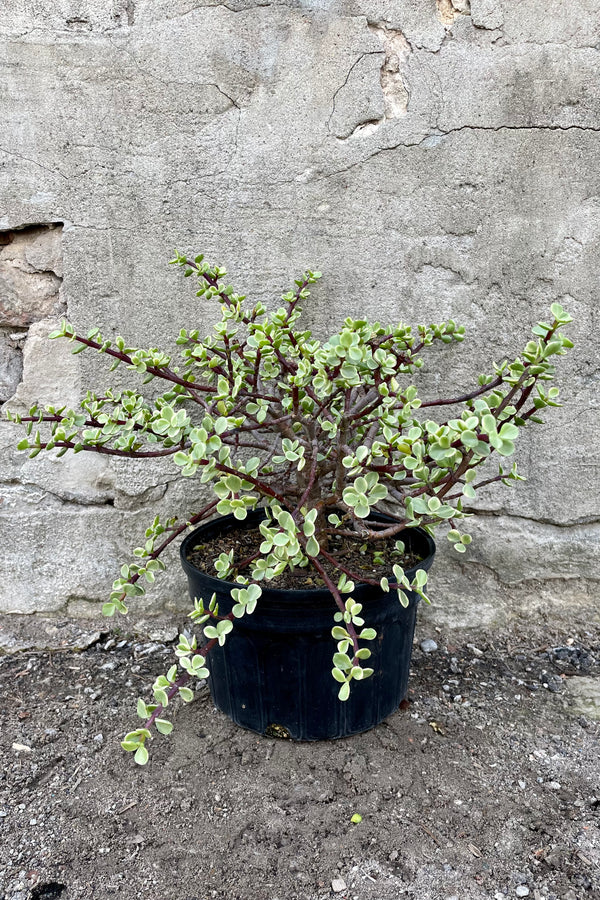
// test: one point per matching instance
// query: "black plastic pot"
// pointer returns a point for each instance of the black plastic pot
(273, 674)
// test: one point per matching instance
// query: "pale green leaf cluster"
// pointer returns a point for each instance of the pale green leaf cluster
(347, 661)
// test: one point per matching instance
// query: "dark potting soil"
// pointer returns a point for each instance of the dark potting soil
(353, 554)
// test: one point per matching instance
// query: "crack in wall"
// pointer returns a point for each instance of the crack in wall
(241, 9)
(392, 79)
(196, 84)
(497, 128)
(34, 162)
(531, 582)
(437, 136)
(62, 499)
(537, 520)
(342, 86)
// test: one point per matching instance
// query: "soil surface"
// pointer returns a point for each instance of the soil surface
(485, 786)
(367, 560)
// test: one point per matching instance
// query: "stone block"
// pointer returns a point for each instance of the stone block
(11, 361)
(30, 275)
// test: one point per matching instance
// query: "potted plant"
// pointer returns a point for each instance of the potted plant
(329, 474)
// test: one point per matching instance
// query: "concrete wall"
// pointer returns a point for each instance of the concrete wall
(433, 159)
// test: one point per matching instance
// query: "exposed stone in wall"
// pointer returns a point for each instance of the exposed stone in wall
(30, 290)
(449, 10)
(11, 360)
(358, 108)
(393, 71)
(30, 275)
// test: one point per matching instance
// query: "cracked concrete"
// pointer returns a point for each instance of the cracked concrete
(432, 159)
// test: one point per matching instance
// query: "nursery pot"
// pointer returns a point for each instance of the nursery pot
(273, 674)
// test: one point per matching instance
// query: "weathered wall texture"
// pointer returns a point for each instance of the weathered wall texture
(433, 159)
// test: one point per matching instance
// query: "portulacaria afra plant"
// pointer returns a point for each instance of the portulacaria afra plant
(320, 434)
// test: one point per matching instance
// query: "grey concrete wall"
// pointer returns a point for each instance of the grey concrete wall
(433, 159)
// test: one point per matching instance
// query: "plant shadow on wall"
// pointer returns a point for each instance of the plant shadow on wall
(330, 478)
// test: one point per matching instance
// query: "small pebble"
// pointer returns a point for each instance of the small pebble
(522, 891)
(428, 645)
(552, 683)
(149, 649)
(553, 785)
(164, 635)
(338, 885)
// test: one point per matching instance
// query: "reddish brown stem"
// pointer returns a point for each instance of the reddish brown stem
(110, 451)
(157, 371)
(482, 390)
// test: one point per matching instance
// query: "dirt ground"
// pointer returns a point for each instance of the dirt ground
(485, 786)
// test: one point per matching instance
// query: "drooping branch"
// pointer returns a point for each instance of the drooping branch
(332, 588)
(174, 532)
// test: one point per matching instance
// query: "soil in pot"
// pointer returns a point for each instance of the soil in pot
(368, 560)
